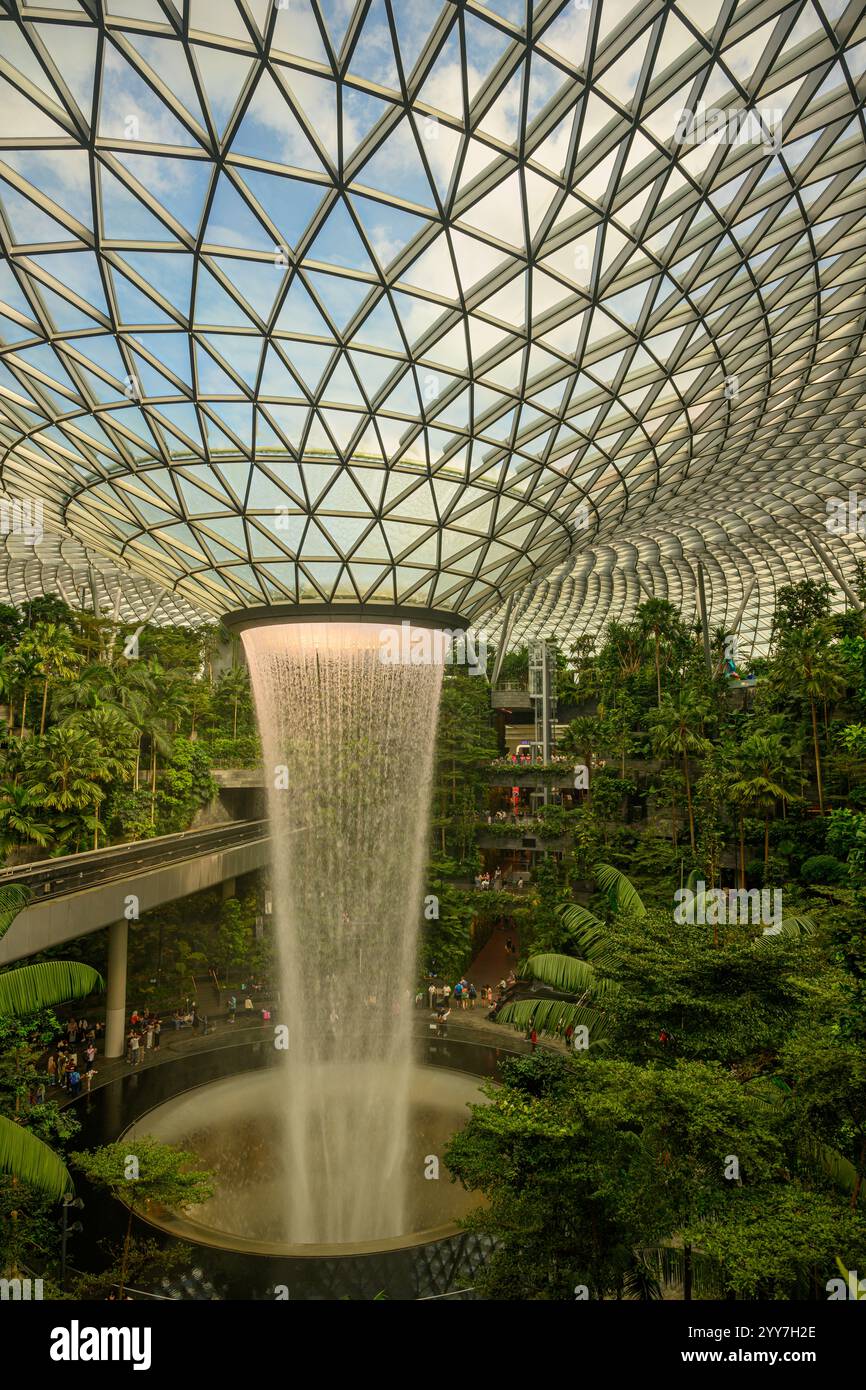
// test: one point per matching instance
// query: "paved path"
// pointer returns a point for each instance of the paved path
(465, 1025)
(493, 962)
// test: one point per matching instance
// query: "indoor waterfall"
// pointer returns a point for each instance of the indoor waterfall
(348, 723)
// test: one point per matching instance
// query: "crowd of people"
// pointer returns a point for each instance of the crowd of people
(497, 882)
(69, 1064)
(144, 1034)
(464, 995)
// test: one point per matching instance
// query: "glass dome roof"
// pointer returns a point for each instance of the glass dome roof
(407, 301)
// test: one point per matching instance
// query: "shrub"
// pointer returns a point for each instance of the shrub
(822, 868)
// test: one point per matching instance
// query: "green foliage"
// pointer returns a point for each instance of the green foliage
(585, 1161)
(30, 1161)
(622, 894)
(161, 1174)
(801, 605)
(234, 934)
(464, 748)
(99, 743)
(32, 987)
(446, 938)
(822, 868)
(223, 751)
(142, 1172)
(781, 1242)
(14, 897)
(187, 785)
(732, 1002)
(842, 832)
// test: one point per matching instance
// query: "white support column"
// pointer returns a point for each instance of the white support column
(115, 1004)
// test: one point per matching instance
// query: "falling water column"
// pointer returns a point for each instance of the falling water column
(347, 713)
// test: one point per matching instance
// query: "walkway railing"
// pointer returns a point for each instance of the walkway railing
(71, 873)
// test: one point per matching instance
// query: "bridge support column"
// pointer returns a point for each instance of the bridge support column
(115, 1004)
(229, 888)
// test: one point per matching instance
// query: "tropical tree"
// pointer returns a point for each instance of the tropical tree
(758, 777)
(234, 686)
(618, 723)
(581, 737)
(166, 706)
(114, 734)
(810, 669)
(580, 996)
(25, 673)
(19, 819)
(64, 771)
(658, 621)
(53, 646)
(621, 657)
(143, 1172)
(677, 730)
(576, 1002)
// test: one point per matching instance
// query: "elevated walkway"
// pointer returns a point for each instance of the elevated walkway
(82, 893)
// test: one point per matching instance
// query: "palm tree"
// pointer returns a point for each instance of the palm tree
(581, 995)
(114, 733)
(25, 666)
(578, 989)
(53, 647)
(657, 619)
(809, 668)
(167, 704)
(18, 820)
(580, 738)
(122, 689)
(622, 654)
(7, 685)
(235, 686)
(616, 731)
(65, 769)
(757, 782)
(677, 731)
(115, 737)
(25, 991)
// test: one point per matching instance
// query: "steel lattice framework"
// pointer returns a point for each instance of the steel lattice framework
(435, 303)
(62, 566)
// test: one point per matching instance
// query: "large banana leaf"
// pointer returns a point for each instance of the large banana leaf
(25, 1157)
(796, 927)
(588, 934)
(34, 987)
(14, 897)
(837, 1167)
(773, 1092)
(553, 1016)
(566, 973)
(622, 894)
(577, 918)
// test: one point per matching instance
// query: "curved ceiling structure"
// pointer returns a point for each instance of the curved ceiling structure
(61, 566)
(434, 303)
